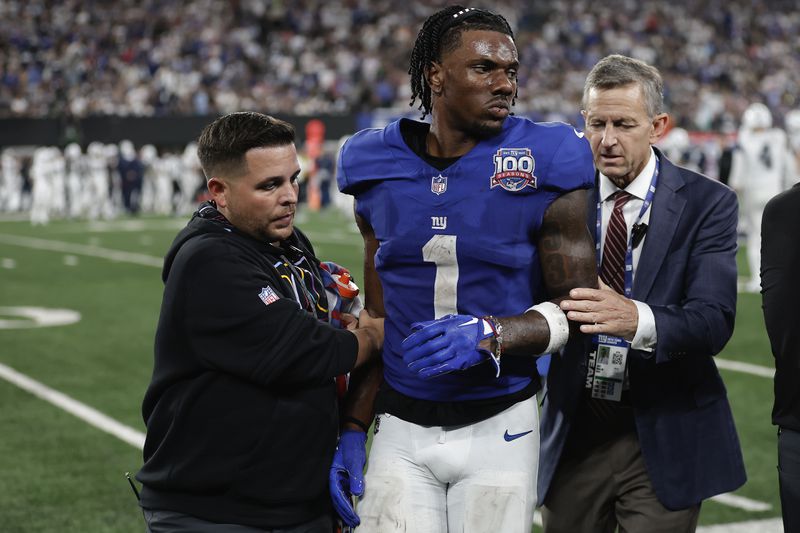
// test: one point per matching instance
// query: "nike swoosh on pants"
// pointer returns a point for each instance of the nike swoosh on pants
(515, 436)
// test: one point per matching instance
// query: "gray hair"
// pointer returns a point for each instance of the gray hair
(618, 71)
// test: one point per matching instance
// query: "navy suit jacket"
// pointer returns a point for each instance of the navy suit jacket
(687, 275)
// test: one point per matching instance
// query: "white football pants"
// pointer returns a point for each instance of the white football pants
(479, 478)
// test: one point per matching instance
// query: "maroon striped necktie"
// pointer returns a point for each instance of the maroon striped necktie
(612, 269)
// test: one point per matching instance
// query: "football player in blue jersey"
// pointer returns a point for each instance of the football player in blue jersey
(474, 228)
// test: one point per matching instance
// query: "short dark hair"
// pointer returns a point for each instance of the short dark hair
(223, 144)
(618, 71)
(440, 33)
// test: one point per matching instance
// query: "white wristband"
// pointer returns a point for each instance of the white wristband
(557, 322)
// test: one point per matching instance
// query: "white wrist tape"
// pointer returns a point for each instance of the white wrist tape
(557, 322)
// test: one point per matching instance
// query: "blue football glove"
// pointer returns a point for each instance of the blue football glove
(346, 477)
(447, 344)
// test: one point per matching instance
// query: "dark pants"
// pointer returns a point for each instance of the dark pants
(606, 488)
(172, 522)
(789, 477)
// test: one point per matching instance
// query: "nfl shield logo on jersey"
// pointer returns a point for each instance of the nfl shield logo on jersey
(438, 184)
(513, 169)
(268, 295)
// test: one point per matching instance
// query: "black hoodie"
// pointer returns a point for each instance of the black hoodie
(241, 412)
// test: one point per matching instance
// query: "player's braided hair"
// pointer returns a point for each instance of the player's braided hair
(441, 32)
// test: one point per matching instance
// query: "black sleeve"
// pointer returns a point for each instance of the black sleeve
(230, 329)
(780, 278)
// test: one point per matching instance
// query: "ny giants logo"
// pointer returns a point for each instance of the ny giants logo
(513, 169)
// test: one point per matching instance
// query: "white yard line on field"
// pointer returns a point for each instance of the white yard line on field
(768, 525)
(122, 256)
(82, 249)
(747, 368)
(740, 502)
(91, 416)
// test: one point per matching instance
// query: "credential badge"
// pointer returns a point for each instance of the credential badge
(268, 295)
(438, 184)
(513, 169)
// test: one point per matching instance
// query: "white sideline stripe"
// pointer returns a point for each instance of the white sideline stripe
(747, 368)
(769, 525)
(82, 249)
(118, 255)
(88, 414)
(740, 502)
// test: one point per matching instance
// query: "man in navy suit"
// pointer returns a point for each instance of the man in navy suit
(636, 427)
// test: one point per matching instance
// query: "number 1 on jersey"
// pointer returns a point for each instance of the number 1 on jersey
(441, 250)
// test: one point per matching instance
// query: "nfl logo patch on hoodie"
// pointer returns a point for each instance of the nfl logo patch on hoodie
(268, 295)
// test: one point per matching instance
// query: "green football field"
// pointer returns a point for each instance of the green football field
(70, 423)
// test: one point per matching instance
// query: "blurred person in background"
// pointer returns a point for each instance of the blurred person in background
(242, 411)
(42, 185)
(678, 147)
(148, 155)
(780, 265)
(131, 174)
(11, 181)
(325, 171)
(112, 155)
(190, 182)
(97, 193)
(763, 165)
(168, 197)
(77, 174)
(792, 121)
(58, 179)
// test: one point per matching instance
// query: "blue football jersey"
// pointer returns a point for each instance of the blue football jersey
(461, 240)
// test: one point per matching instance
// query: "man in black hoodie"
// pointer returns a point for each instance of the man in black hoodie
(241, 412)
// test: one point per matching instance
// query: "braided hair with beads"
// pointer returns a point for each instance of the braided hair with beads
(441, 33)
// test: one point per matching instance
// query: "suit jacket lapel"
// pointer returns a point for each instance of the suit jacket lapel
(666, 211)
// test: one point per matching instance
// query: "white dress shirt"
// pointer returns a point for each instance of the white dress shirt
(645, 338)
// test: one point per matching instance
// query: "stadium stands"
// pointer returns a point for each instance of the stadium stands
(161, 58)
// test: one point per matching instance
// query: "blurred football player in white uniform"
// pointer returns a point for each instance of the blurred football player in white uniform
(42, 187)
(97, 195)
(10, 182)
(792, 120)
(191, 178)
(148, 155)
(58, 179)
(76, 174)
(677, 146)
(340, 200)
(111, 151)
(168, 170)
(762, 167)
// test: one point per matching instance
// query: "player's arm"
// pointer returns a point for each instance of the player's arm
(365, 380)
(457, 342)
(567, 258)
(346, 478)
